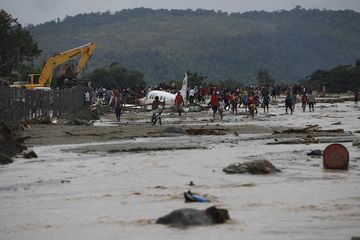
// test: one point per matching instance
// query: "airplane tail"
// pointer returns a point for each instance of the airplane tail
(184, 87)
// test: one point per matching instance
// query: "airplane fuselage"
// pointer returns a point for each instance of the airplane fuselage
(169, 98)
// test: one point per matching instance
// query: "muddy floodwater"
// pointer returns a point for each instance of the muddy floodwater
(115, 188)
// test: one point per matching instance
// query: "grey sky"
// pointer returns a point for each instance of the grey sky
(39, 11)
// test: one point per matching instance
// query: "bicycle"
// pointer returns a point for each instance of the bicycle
(156, 117)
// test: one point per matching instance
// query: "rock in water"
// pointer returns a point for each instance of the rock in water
(316, 152)
(29, 154)
(356, 142)
(188, 217)
(253, 167)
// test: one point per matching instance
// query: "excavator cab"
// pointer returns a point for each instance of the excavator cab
(67, 77)
(34, 78)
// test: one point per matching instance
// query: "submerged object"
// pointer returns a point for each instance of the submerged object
(336, 156)
(190, 197)
(185, 217)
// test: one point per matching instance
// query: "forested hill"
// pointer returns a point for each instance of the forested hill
(162, 44)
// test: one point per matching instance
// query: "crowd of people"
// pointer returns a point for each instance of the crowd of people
(248, 99)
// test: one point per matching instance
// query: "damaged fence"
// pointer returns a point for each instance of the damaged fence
(22, 104)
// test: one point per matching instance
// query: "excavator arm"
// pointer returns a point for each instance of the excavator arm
(84, 59)
(46, 75)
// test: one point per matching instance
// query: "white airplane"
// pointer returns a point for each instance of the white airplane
(169, 98)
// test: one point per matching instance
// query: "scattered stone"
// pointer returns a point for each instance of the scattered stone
(356, 142)
(191, 217)
(29, 154)
(316, 152)
(252, 167)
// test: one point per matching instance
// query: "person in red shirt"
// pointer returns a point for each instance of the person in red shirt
(179, 103)
(214, 103)
(304, 100)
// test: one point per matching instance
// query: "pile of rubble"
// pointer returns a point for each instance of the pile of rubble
(11, 140)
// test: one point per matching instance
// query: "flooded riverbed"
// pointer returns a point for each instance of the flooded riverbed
(97, 191)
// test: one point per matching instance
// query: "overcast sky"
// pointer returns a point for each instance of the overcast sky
(39, 11)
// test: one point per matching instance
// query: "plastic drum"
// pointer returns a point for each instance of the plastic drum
(336, 156)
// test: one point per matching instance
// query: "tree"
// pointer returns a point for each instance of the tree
(195, 79)
(16, 45)
(116, 76)
(230, 84)
(339, 79)
(264, 78)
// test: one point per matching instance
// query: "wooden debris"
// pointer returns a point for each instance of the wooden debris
(205, 131)
(307, 129)
(312, 140)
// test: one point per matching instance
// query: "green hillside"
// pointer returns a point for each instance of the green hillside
(162, 44)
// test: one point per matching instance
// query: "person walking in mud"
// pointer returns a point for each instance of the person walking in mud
(311, 101)
(179, 103)
(222, 105)
(293, 100)
(252, 104)
(214, 103)
(356, 96)
(304, 101)
(118, 103)
(252, 109)
(266, 101)
(288, 103)
(234, 103)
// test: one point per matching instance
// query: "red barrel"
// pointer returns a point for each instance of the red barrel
(336, 156)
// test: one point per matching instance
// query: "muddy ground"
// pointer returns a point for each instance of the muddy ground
(135, 125)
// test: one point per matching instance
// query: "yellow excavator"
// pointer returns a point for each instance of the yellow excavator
(44, 79)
